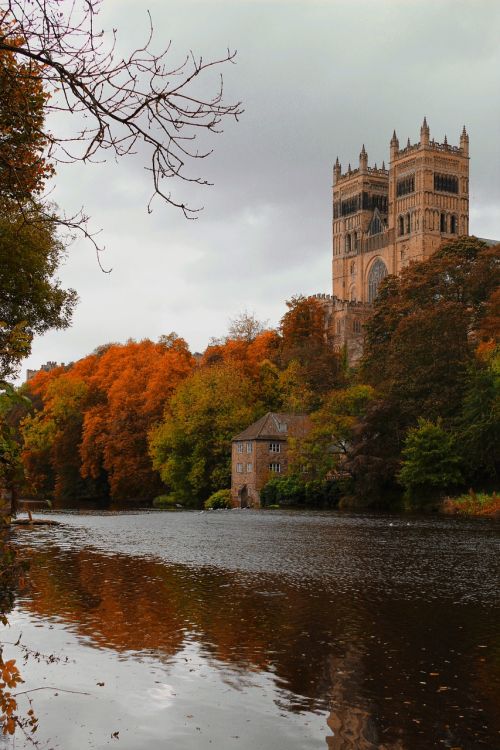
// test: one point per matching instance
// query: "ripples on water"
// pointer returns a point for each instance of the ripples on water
(265, 630)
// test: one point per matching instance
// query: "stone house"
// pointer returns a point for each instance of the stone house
(261, 452)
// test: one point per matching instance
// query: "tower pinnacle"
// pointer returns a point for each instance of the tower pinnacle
(424, 133)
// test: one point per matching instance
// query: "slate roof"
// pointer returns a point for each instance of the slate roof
(276, 425)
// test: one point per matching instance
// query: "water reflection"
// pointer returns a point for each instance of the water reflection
(386, 670)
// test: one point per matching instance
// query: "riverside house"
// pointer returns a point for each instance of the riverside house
(261, 452)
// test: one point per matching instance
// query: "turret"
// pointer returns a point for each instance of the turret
(424, 133)
(394, 146)
(337, 171)
(363, 160)
(464, 142)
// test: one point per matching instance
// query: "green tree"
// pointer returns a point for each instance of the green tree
(431, 463)
(31, 299)
(324, 449)
(478, 425)
(191, 448)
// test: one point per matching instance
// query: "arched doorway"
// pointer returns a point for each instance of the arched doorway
(378, 271)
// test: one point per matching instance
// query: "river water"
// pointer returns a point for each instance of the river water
(260, 630)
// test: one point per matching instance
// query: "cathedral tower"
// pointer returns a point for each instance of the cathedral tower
(428, 195)
(383, 219)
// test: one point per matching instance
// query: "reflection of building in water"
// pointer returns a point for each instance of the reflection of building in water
(352, 726)
(385, 218)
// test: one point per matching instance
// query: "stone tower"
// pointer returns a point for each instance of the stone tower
(428, 195)
(385, 218)
(382, 219)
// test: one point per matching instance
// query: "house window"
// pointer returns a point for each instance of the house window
(275, 467)
(275, 447)
(240, 447)
(249, 468)
(239, 468)
(249, 447)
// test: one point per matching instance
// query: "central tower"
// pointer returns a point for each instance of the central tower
(385, 218)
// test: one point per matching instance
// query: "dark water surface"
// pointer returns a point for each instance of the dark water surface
(261, 630)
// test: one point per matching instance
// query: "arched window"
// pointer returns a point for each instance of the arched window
(453, 224)
(442, 223)
(352, 294)
(401, 225)
(348, 243)
(353, 267)
(408, 223)
(378, 271)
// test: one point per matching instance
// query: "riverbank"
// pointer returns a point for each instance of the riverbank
(473, 504)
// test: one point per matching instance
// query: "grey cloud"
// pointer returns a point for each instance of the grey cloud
(317, 79)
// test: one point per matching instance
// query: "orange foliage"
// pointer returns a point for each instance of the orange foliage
(248, 355)
(23, 167)
(93, 420)
(131, 384)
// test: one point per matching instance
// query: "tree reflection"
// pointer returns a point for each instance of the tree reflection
(382, 668)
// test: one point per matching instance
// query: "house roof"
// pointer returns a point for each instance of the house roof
(276, 425)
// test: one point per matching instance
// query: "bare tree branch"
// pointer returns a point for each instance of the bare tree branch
(141, 99)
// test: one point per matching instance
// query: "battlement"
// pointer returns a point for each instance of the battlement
(409, 148)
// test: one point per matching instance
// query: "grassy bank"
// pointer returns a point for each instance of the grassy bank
(473, 504)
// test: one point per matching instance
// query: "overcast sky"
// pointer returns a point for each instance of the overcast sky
(317, 78)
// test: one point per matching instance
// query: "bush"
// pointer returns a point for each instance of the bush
(473, 504)
(166, 501)
(219, 499)
(430, 462)
(292, 491)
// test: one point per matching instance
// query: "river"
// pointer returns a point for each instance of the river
(260, 630)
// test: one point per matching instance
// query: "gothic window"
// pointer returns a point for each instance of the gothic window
(352, 294)
(445, 183)
(378, 272)
(408, 223)
(353, 267)
(376, 225)
(348, 243)
(442, 223)
(401, 225)
(405, 185)
(453, 225)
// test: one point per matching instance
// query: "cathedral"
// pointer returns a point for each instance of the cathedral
(385, 218)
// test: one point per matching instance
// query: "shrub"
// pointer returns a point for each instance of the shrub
(219, 499)
(166, 501)
(473, 504)
(292, 491)
(430, 462)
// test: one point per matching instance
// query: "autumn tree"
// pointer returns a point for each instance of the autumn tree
(421, 343)
(133, 383)
(24, 167)
(305, 347)
(31, 297)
